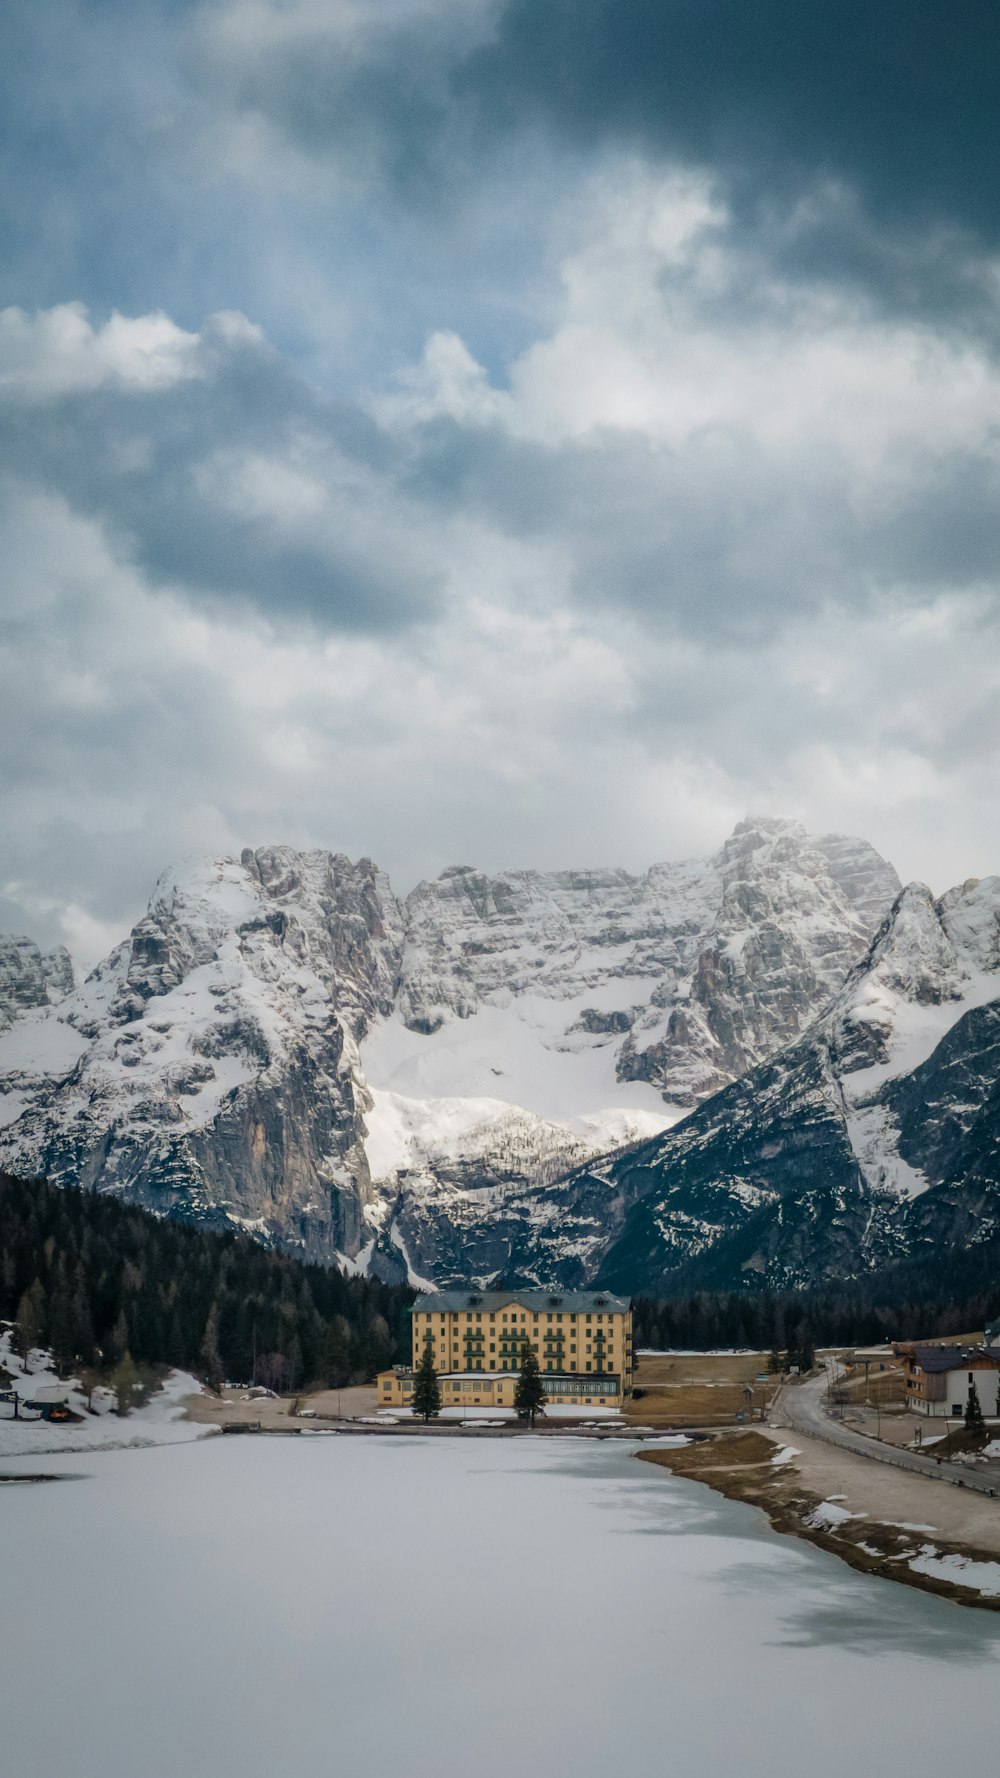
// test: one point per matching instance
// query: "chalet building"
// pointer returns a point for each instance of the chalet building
(937, 1378)
(582, 1340)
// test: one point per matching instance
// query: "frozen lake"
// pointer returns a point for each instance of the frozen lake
(443, 1608)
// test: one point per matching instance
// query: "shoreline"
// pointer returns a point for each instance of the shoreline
(741, 1466)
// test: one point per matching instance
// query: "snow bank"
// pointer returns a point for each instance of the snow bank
(963, 1571)
(159, 1422)
(828, 1514)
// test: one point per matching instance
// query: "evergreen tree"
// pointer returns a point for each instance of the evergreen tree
(529, 1393)
(426, 1388)
(29, 1324)
(336, 1354)
(974, 1421)
(774, 1362)
(210, 1350)
(125, 1381)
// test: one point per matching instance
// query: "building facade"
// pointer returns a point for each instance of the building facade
(937, 1379)
(582, 1340)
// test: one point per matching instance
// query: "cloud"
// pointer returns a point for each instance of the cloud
(519, 434)
(215, 467)
(707, 444)
(58, 352)
(896, 103)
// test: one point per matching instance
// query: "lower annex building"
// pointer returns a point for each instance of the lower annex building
(582, 1340)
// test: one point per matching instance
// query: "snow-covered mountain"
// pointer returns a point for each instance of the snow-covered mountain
(875, 1136)
(284, 1046)
(208, 1068)
(31, 978)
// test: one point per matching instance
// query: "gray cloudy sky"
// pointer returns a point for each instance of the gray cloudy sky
(493, 431)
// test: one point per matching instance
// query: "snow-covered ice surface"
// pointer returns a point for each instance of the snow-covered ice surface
(369, 1606)
(159, 1422)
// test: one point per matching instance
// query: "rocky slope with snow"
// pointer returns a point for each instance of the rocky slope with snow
(873, 1137)
(31, 978)
(282, 1045)
(208, 1068)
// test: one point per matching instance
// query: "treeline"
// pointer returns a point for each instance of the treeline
(798, 1323)
(96, 1280)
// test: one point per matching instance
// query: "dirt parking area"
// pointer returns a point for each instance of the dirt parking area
(699, 1389)
(277, 1413)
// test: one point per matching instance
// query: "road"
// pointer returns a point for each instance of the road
(800, 1408)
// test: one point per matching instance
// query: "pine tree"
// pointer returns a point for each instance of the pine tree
(210, 1350)
(774, 1362)
(125, 1381)
(529, 1393)
(974, 1421)
(426, 1388)
(29, 1323)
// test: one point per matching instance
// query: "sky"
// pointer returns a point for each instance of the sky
(494, 432)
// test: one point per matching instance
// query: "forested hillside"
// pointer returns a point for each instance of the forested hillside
(94, 1279)
(934, 1297)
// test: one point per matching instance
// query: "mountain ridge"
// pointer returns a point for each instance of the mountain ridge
(283, 1046)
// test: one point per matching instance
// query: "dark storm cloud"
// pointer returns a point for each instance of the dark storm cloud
(167, 471)
(895, 104)
(899, 99)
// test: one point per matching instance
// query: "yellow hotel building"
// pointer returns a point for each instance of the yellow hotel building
(582, 1340)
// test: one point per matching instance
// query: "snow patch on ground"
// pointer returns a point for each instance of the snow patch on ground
(828, 1513)
(962, 1571)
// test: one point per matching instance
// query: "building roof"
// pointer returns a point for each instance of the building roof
(576, 1301)
(950, 1358)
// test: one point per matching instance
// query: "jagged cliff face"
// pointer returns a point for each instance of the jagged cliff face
(282, 1045)
(793, 915)
(689, 974)
(209, 1067)
(873, 1137)
(31, 978)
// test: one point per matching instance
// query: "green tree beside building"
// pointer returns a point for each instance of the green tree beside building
(426, 1388)
(974, 1421)
(529, 1393)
